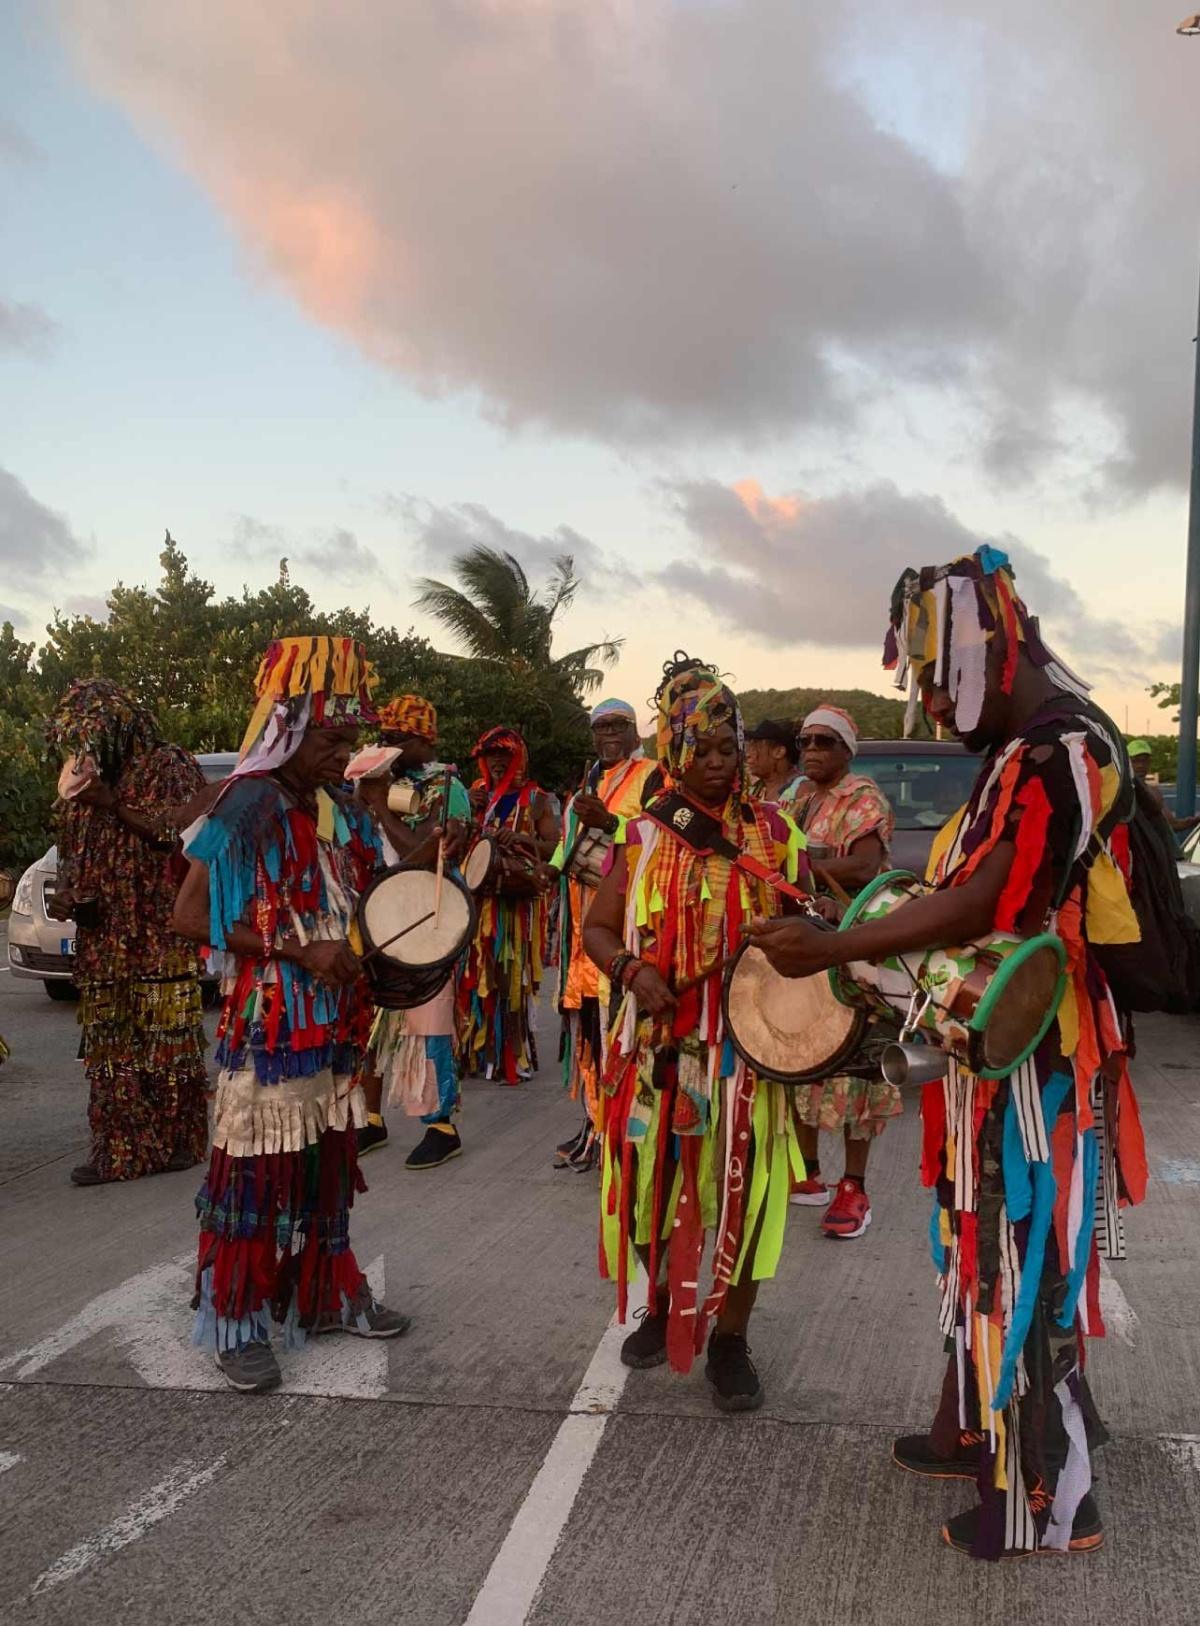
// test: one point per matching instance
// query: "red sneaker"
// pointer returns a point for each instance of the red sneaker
(849, 1213)
(811, 1194)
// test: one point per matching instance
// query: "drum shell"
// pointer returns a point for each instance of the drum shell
(589, 856)
(842, 1046)
(485, 882)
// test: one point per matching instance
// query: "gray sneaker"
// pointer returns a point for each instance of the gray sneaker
(251, 1370)
(374, 1320)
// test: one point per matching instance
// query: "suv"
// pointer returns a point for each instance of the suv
(42, 948)
(925, 781)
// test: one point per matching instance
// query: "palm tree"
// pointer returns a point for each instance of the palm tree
(498, 617)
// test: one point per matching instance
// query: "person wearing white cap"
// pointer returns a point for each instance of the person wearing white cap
(848, 823)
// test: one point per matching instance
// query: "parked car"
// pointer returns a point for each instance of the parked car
(925, 781)
(1188, 867)
(42, 948)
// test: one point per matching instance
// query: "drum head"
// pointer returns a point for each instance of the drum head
(479, 863)
(791, 1029)
(400, 897)
(1021, 1001)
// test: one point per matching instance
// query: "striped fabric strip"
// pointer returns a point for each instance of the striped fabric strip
(1028, 1102)
(1020, 1531)
(1110, 1228)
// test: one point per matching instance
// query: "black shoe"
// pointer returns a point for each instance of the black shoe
(1087, 1532)
(915, 1454)
(371, 1137)
(87, 1174)
(180, 1162)
(647, 1344)
(441, 1143)
(566, 1150)
(252, 1370)
(586, 1155)
(731, 1373)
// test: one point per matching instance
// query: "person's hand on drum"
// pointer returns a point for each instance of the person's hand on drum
(794, 946)
(828, 908)
(331, 961)
(546, 877)
(591, 812)
(478, 796)
(651, 992)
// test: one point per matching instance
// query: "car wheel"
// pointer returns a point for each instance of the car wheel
(60, 990)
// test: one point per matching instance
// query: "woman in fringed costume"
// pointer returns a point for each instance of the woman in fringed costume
(504, 966)
(1029, 1171)
(277, 867)
(619, 784)
(693, 1141)
(412, 1052)
(119, 868)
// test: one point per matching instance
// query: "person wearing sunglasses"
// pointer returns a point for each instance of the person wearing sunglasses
(848, 823)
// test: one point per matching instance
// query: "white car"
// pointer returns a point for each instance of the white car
(42, 948)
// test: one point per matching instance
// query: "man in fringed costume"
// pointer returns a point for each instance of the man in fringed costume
(504, 966)
(617, 786)
(123, 789)
(1029, 1171)
(848, 823)
(412, 1052)
(277, 867)
(693, 1141)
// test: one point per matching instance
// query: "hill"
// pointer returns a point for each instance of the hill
(877, 717)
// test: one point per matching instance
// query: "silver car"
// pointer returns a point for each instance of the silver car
(42, 948)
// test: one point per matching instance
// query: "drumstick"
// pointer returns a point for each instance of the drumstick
(379, 947)
(826, 879)
(441, 852)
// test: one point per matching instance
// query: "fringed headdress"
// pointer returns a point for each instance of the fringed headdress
(409, 714)
(516, 770)
(302, 683)
(946, 616)
(96, 718)
(693, 699)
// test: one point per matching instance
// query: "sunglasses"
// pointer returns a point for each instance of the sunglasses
(819, 742)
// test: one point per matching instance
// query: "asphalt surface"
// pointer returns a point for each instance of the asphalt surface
(494, 1465)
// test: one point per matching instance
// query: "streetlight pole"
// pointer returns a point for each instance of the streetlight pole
(1185, 777)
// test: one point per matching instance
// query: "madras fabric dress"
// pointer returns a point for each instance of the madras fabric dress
(1030, 1172)
(274, 1211)
(836, 818)
(504, 966)
(583, 989)
(139, 982)
(736, 1145)
(414, 1050)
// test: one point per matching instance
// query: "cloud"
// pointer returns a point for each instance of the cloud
(335, 553)
(91, 604)
(15, 145)
(8, 613)
(35, 542)
(796, 570)
(26, 328)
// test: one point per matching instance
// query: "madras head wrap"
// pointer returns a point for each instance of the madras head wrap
(692, 700)
(612, 708)
(98, 719)
(302, 683)
(409, 714)
(945, 616)
(837, 721)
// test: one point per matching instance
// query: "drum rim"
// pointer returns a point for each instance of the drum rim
(447, 960)
(806, 1075)
(475, 845)
(850, 918)
(1012, 962)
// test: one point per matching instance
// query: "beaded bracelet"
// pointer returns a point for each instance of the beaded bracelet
(615, 969)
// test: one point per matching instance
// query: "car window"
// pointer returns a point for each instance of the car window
(923, 790)
(1189, 846)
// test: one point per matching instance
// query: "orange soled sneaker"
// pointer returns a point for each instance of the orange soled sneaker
(811, 1193)
(849, 1212)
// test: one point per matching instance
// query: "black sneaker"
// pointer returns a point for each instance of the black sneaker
(371, 1137)
(915, 1454)
(441, 1143)
(251, 1370)
(370, 1320)
(647, 1344)
(1087, 1532)
(566, 1150)
(731, 1373)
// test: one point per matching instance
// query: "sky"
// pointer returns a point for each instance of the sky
(746, 304)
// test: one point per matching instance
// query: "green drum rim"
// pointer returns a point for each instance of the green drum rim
(850, 918)
(1031, 946)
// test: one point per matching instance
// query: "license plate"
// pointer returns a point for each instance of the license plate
(67, 945)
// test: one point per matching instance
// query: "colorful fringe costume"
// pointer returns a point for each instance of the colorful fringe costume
(1030, 1171)
(693, 1140)
(584, 992)
(274, 1210)
(414, 1050)
(139, 988)
(504, 965)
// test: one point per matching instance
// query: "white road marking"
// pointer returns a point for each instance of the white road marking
(9, 1459)
(149, 1317)
(157, 1504)
(1183, 1449)
(1120, 1317)
(511, 1586)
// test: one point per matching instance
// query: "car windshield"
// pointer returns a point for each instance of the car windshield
(923, 790)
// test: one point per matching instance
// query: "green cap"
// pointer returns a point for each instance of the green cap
(1139, 748)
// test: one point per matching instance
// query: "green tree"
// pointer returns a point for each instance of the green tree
(878, 718)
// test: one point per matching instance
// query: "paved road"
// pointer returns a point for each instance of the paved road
(494, 1466)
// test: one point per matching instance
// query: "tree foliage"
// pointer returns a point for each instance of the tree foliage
(878, 718)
